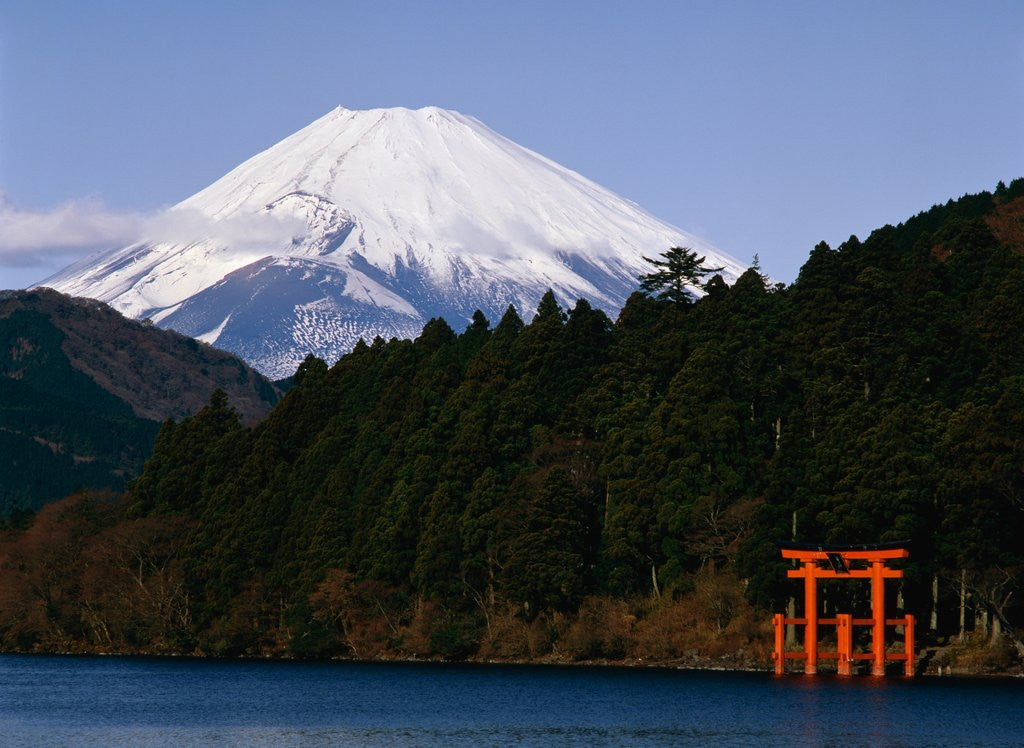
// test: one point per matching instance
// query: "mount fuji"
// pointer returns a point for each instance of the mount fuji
(369, 223)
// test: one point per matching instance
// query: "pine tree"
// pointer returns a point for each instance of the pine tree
(680, 271)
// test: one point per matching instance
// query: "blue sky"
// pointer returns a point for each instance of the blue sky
(762, 127)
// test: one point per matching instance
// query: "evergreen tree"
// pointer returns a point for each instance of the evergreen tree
(677, 273)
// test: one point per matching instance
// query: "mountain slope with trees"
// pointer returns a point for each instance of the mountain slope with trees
(83, 391)
(596, 489)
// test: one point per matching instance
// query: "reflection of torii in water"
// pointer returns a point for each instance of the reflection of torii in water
(844, 562)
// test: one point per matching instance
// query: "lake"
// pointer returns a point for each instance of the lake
(172, 701)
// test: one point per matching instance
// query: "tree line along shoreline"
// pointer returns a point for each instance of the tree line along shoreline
(579, 489)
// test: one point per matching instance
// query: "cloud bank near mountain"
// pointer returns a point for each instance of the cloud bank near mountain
(78, 228)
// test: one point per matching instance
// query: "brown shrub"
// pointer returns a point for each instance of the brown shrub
(507, 638)
(542, 633)
(368, 616)
(414, 638)
(603, 629)
(711, 621)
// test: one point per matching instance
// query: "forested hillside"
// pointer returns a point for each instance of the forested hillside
(83, 391)
(592, 488)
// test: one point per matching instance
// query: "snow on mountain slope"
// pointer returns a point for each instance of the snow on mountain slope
(370, 223)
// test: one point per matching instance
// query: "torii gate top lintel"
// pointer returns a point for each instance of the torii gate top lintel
(863, 552)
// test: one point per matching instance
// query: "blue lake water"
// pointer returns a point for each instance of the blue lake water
(157, 701)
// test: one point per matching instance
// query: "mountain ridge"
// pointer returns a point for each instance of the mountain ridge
(368, 223)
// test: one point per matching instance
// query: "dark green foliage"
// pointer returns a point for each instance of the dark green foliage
(550, 534)
(205, 447)
(59, 430)
(529, 466)
(679, 271)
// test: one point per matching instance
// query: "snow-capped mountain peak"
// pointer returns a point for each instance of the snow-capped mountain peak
(370, 223)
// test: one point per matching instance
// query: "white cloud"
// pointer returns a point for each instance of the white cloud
(260, 231)
(30, 239)
(35, 238)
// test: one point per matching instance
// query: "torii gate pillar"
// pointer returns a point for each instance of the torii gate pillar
(811, 616)
(878, 617)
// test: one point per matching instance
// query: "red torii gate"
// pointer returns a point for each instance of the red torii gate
(844, 562)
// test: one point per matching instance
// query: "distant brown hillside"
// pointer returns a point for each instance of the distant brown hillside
(83, 391)
(159, 373)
